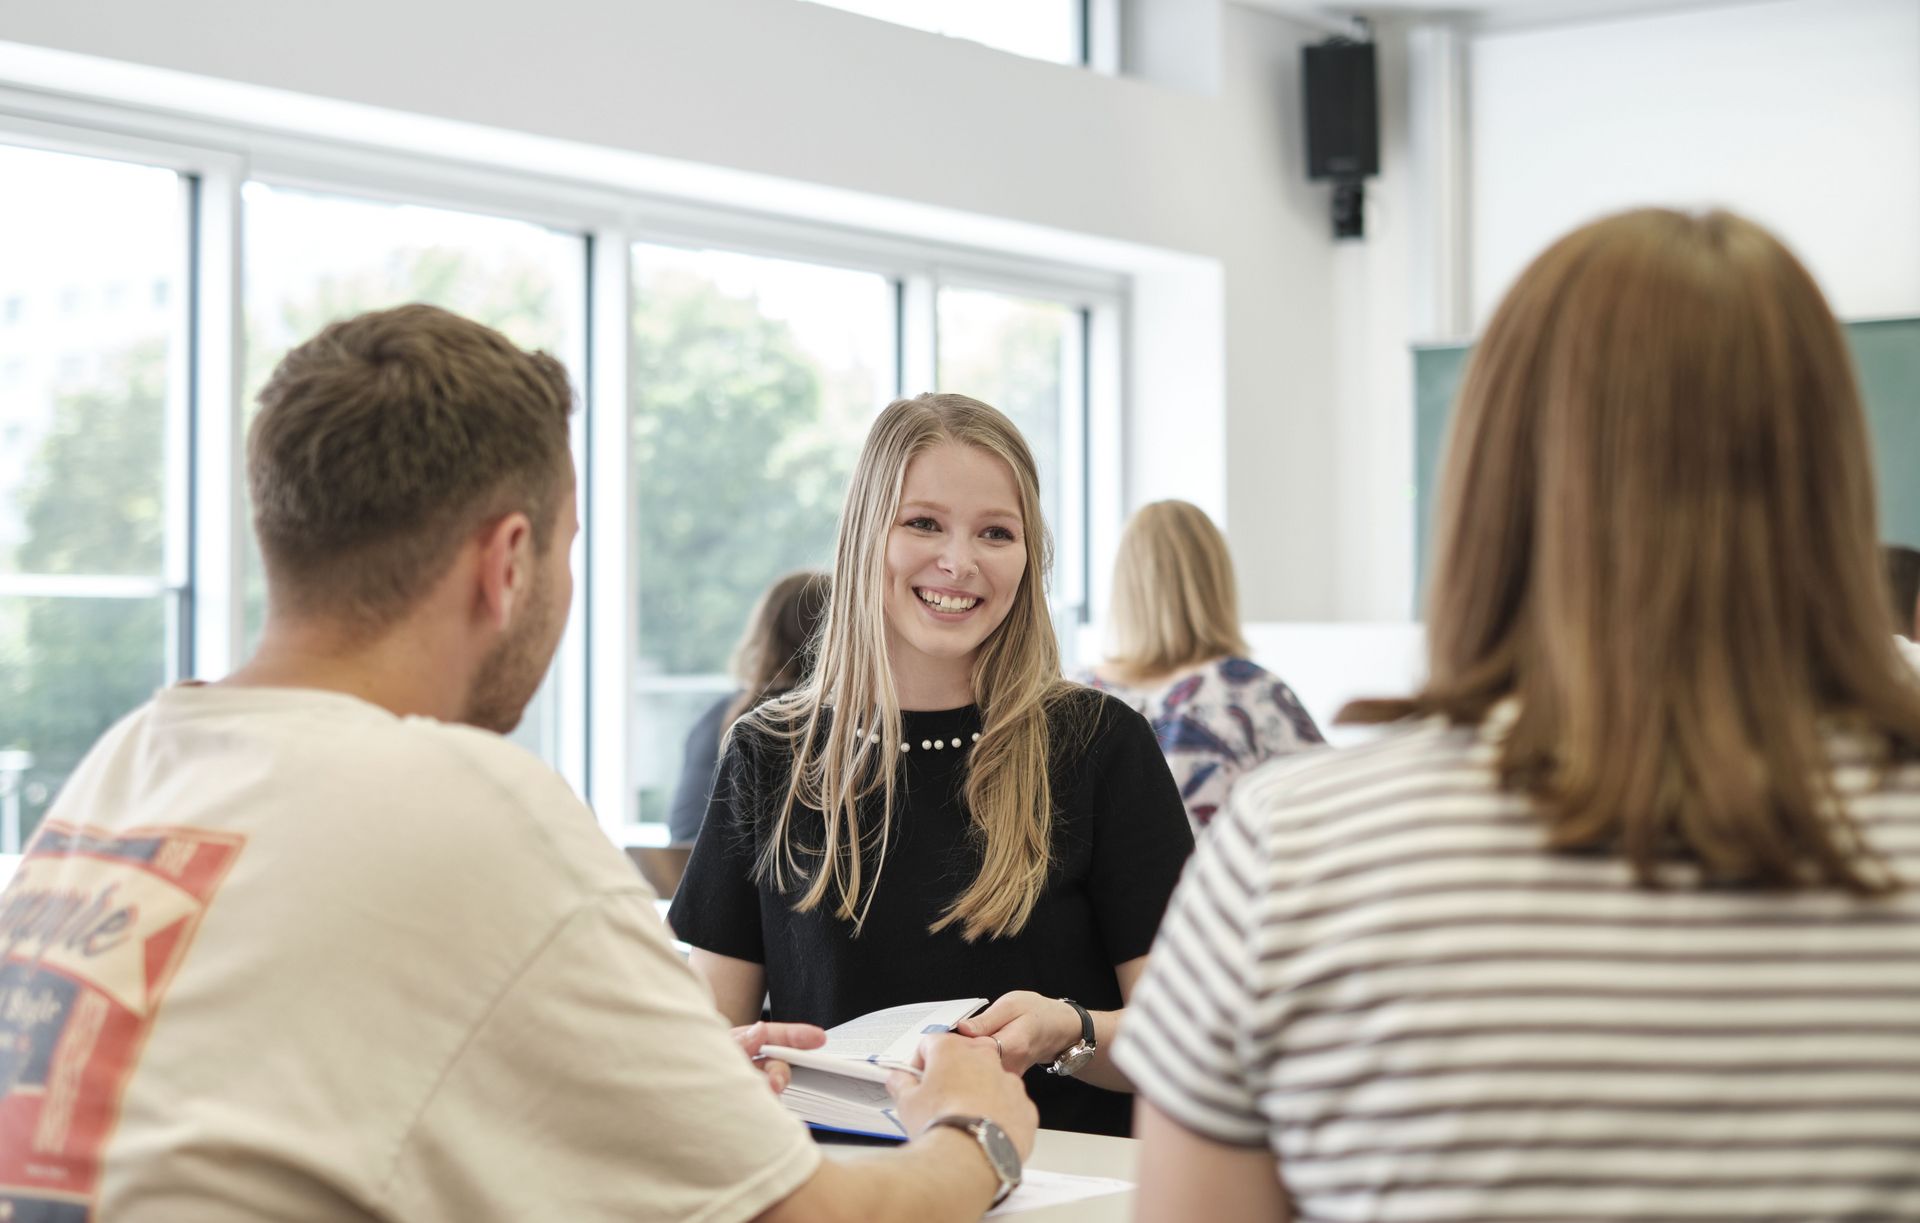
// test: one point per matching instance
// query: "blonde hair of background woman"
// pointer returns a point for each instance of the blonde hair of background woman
(1016, 678)
(1656, 527)
(1175, 603)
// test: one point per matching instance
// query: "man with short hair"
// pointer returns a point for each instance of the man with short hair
(315, 942)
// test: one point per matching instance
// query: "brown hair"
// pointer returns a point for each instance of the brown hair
(1656, 529)
(386, 438)
(1174, 599)
(771, 657)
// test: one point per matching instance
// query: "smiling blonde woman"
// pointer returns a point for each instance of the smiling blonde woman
(936, 812)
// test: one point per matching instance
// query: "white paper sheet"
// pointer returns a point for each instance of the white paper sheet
(1039, 1190)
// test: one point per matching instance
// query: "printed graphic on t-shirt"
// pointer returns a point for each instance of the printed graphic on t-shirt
(91, 930)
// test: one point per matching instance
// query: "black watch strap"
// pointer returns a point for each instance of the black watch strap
(1086, 1022)
(1075, 1057)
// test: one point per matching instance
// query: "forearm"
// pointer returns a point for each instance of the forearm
(939, 1176)
(739, 987)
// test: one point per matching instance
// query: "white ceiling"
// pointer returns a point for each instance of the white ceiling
(1485, 14)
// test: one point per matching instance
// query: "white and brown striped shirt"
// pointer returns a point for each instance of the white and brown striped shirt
(1373, 968)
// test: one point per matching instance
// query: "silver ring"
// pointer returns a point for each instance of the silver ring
(997, 1049)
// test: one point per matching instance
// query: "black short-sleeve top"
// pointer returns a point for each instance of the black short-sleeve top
(1120, 838)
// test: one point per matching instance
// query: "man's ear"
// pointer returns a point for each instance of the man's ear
(506, 559)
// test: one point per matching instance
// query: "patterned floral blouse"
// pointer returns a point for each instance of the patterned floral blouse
(1216, 723)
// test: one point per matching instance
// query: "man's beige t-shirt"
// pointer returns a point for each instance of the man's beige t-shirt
(279, 954)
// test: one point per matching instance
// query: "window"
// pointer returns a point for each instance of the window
(91, 575)
(312, 259)
(1038, 29)
(753, 383)
(731, 395)
(1025, 357)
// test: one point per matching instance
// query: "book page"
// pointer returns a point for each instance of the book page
(821, 1085)
(894, 1034)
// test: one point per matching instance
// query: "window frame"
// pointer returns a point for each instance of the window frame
(216, 157)
(192, 584)
(389, 183)
(1080, 400)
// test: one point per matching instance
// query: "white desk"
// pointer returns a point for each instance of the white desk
(1084, 1155)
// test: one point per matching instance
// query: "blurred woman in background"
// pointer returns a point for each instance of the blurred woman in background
(1179, 658)
(769, 661)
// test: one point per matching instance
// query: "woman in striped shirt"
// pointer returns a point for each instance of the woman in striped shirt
(1617, 922)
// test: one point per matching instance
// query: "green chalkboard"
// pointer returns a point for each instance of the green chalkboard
(1885, 351)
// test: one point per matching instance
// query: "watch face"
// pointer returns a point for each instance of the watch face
(1074, 1059)
(1000, 1151)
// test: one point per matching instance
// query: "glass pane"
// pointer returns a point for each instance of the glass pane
(1016, 354)
(312, 259)
(91, 255)
(69, 669)
(661, 721)
(1040, 29)
(754, 381)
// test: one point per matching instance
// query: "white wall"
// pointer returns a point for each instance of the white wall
(1282, 443)
(868, 114)
(1328, 665)
(1370, 518)
(1804, 114)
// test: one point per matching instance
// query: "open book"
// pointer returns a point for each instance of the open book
(842, 1085)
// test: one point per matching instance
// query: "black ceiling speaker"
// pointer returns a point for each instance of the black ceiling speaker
(1343, 124)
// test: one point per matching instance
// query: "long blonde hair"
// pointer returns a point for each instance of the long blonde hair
(1174, 599)
(1656, 528)
(1016, 680)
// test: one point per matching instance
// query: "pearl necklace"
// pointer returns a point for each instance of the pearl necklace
(926, 745)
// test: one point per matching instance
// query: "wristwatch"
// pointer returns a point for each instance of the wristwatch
(1079, 1054)
(993, 1140)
